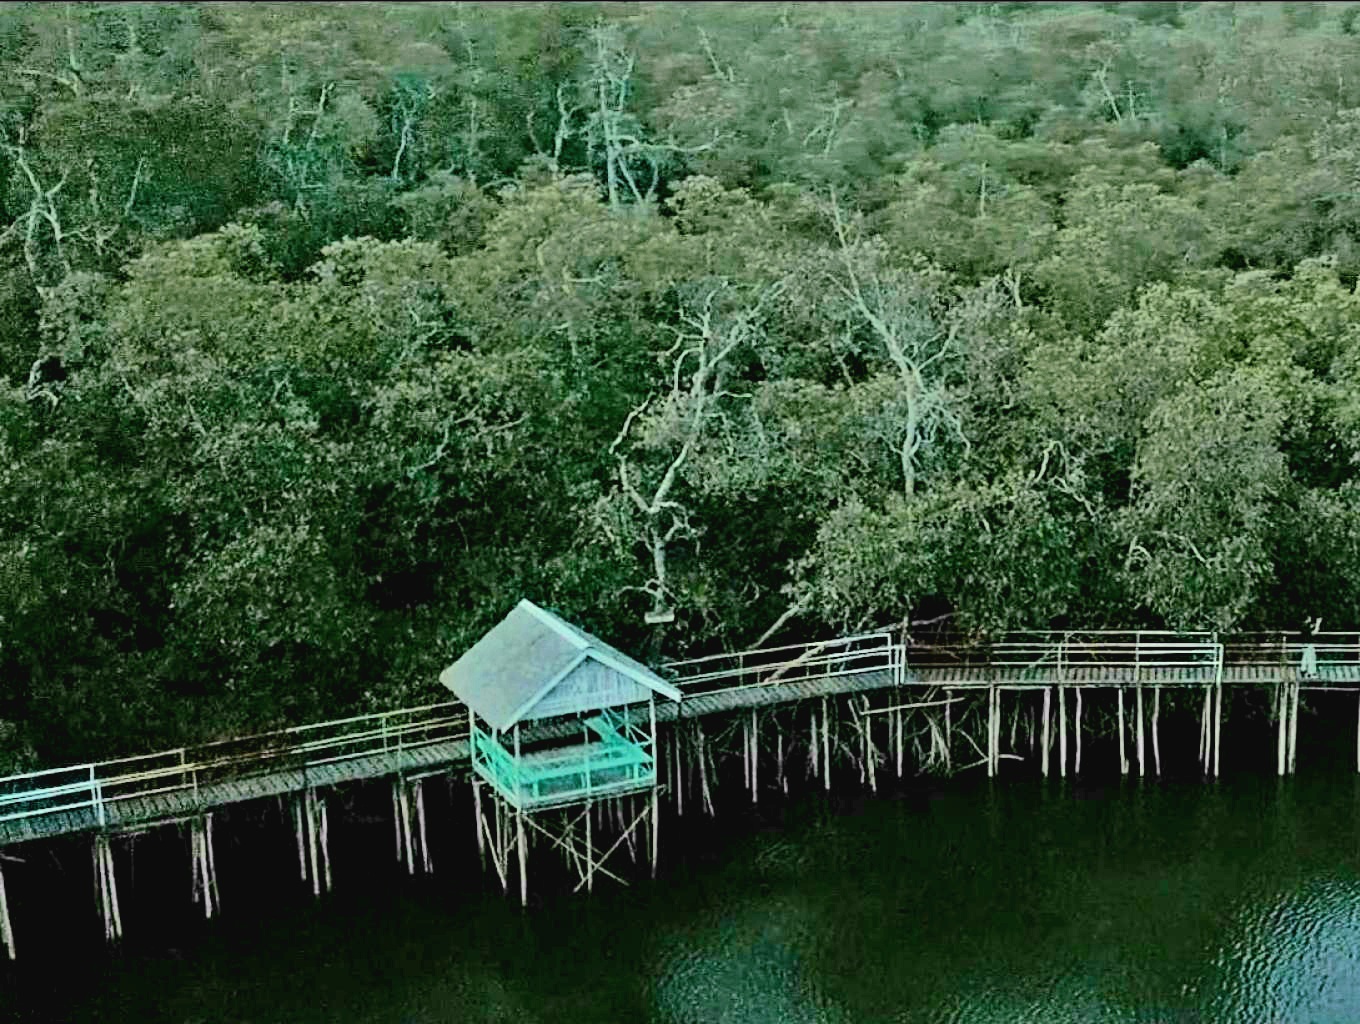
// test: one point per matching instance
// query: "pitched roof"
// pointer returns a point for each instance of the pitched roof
(525, 656)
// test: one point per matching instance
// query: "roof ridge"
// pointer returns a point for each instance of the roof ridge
(557, 625)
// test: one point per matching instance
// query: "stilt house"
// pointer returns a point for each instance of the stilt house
(557, 716)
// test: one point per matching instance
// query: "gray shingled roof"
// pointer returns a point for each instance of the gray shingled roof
(525, 656)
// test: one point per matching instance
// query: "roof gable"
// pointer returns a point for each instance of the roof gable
(526, 656)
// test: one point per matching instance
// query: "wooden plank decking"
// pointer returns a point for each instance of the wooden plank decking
(745, 680)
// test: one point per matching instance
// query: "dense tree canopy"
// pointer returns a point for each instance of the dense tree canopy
(327, 332)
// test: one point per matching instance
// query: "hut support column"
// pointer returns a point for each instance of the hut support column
(656, 827)
(477, 820)
(6, 926)
(523, 860)
(590, 854)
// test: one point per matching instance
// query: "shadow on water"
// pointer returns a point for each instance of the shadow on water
(969, 902)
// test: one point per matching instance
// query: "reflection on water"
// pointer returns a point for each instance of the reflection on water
(1137, 905)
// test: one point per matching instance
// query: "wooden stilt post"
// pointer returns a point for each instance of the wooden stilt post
(1141, 748)
(1218, 724)
(426, 863)
(1207, 732)
(863, 734)
(826, 747)
(1282, 731)
(703, 769)
(779, 759)
(323, 834)
(1294, 726)
(1357, 736)
(814, 747)
(1062, 731)
(107, 882)
(396, 818)
(948, 730)
(897, 740)
(300, 831)
(1123, 757)
(755, 757)
(406, 829)
(313, 852)
(1048, 709)
(1156, 745)
(993, 729)
(212, 860)
(1076, 761)
(6, 926)
(205, 878)
(870, 754)
(746, 755)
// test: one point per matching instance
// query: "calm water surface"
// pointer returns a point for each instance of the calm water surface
(1157, 903)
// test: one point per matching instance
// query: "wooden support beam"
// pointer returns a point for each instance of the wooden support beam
(1142, 763)
(1044, 744)
(826, 747)
(1293, 726)
(1076, 765)
(1218, 724)
(1156, 746)
(1123, 756)
(6, 925)
(1282, 728)
(523, 857)
(1062, 731)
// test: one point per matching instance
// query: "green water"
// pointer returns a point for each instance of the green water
(1155, 903)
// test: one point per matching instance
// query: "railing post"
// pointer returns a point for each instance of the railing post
(97, 794)
(1137, 653)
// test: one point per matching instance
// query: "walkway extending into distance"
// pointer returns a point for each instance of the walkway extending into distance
(172, 785)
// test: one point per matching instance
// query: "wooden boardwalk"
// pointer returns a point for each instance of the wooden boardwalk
(138, 792)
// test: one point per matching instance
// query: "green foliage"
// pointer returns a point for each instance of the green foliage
(328, 332)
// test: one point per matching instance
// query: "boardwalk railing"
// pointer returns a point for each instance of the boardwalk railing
(1057, 652)
(101, 785)
(771, 666)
